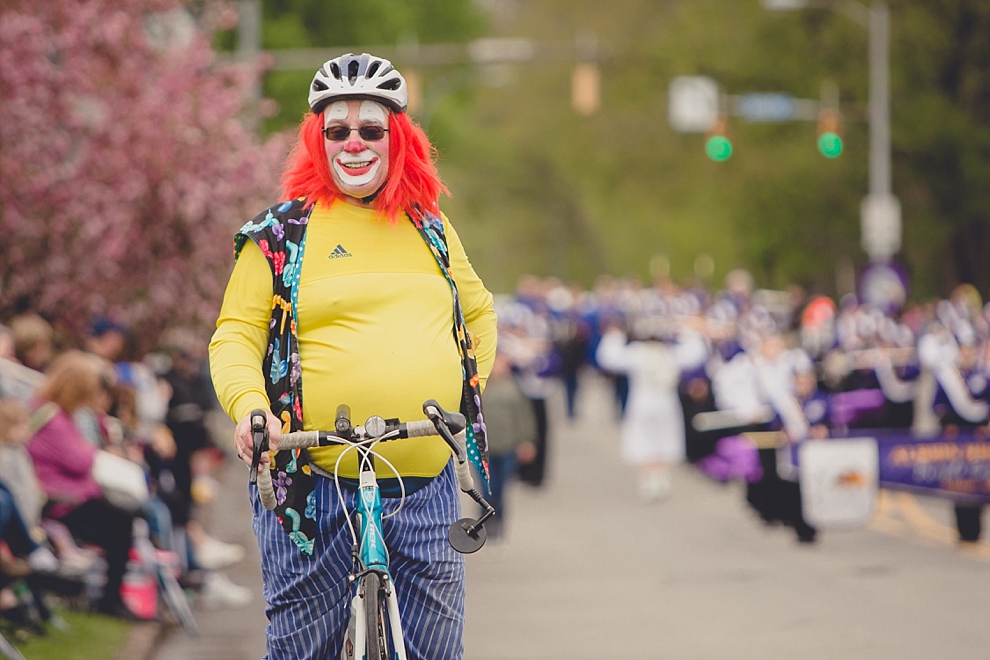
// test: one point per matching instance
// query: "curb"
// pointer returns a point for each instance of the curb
(140, 640)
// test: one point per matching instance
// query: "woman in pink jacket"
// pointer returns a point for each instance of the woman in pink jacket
(63, 460)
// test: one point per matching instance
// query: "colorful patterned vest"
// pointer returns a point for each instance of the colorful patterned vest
(280, 233)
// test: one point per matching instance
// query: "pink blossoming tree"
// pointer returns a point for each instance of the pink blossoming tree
(124, 166)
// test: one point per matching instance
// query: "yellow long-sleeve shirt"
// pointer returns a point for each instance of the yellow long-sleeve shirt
(375, 319)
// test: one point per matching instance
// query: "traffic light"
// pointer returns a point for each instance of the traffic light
(718, 147)
(830, 133)
(414, 87)
(586, 88)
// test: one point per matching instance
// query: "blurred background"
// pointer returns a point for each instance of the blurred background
(552, 122)
(707, 163)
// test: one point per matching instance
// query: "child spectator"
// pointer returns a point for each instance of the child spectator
(16, 469)
(20, 496)
(33, 338)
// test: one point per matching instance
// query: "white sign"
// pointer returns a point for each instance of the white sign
(784, 5)
(881, 226)
(693, 104)
(505, 49)
(882, 286)
(839, 481)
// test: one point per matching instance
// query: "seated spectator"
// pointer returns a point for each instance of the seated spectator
(63, 460)
(134, 444)
(33, 338)
(20, 498)
(7, 343)
(16, 469)
(112, 341)
(156, 448)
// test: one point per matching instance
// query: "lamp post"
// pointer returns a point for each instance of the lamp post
(880, 211)
(248, 49)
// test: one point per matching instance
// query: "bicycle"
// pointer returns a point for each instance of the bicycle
(8, 650)
(374, 628)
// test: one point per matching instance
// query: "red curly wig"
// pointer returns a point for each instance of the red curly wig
(413, 181)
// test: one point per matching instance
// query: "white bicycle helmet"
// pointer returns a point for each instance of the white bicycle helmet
(361, 76)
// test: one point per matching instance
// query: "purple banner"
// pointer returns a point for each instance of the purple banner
(956, 468)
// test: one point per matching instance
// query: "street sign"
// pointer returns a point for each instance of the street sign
(693, 104)
(766, 107)
(839, 481)
(501, 49)
(883, 286)
(881, 226)
(784, 5)
(586, 88)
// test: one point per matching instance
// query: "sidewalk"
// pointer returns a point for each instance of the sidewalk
(233, 634)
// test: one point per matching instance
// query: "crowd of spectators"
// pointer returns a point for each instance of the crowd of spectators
(77, 420)
(694, 370)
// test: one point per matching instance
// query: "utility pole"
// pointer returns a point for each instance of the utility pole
(879, 100)
(248, 49)
(880, 211)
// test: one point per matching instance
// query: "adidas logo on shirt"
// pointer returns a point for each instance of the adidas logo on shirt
(339, 252)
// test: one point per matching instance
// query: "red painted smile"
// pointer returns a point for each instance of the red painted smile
(357, 167)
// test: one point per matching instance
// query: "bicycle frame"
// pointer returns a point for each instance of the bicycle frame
(372, 556)
(369, 508)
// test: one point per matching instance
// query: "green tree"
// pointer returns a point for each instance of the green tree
(338, 23)
(537, 188)
(777, 206)
(634, 187)
(941, 131)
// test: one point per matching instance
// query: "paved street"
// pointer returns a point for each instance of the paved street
(589, 572)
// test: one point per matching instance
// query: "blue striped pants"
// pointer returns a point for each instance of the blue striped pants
(309, 598)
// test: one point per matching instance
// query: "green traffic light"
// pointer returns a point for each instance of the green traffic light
(830, 144)
(718, 148)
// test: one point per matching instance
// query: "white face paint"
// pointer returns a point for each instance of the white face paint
(336, 112)
(372, 113)
(359, 168)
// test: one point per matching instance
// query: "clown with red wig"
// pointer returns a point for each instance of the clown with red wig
(350, 285)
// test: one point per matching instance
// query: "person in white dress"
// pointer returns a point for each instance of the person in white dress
(652, 436)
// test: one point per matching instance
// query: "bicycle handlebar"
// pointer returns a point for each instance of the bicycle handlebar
(450, 426)
(465, 536)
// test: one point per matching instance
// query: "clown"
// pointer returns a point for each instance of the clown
(342, 294)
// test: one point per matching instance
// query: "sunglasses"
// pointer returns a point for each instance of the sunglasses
(369, 133)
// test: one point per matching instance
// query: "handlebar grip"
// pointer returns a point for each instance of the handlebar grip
(462, 466)
(463, 470)
(420, 429)
(265, 490)
(299, 440)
